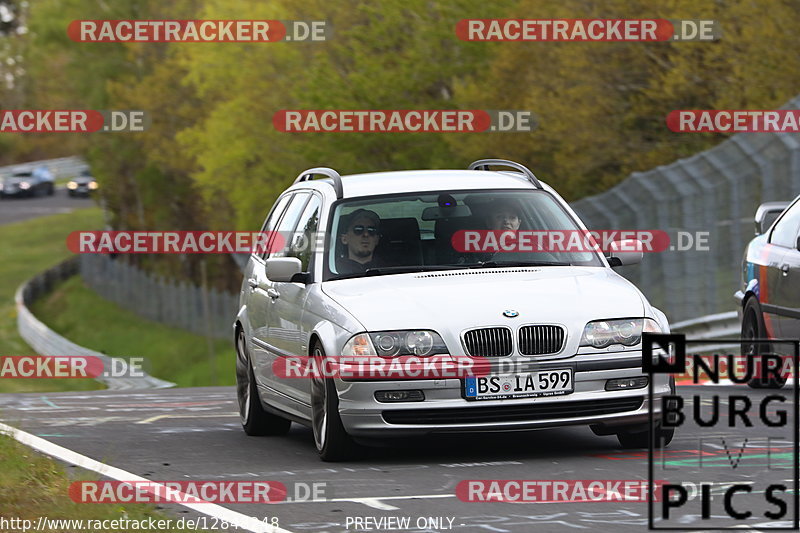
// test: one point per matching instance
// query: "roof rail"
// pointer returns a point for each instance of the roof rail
(309, 174)
(483, 164)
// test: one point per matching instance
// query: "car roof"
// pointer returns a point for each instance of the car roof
(408, 181)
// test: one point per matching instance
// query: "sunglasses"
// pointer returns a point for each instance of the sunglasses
(359, 230)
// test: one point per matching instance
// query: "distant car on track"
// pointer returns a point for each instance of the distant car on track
(82, 185)
(769, 295)
(36, 182)
(568, 324)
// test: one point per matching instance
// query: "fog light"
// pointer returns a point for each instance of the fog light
(414, 395)
(627, 383)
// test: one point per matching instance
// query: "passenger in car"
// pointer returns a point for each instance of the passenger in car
(360, 239)
(503, 216)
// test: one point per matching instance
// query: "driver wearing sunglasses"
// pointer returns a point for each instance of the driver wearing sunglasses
(360, 240)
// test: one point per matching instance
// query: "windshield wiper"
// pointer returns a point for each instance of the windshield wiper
(502, 264)
(378, 271)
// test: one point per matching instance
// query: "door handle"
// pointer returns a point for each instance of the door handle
(785, 270)
(272, 293)
(253, 282)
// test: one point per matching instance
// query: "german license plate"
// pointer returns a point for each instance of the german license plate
(521, 385)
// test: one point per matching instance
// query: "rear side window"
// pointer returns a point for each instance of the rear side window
(274, 217)
(304, 236)
(288, 223)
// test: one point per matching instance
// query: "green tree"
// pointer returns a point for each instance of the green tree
(602, 106)
(399, 55)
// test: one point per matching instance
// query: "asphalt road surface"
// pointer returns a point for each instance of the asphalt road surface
(19, 209)
(194, 434)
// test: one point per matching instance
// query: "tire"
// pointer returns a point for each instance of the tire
(51, 189)
(255, 420)
(753, 328)
(330, 438)
(641, 439)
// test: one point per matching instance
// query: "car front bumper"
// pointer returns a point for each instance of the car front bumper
(80, 190)
(445, 410)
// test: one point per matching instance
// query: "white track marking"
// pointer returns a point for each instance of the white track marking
(245, 522)
(160, 417)
(376, 502)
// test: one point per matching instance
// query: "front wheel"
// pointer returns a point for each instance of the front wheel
(255, 420)
(331, 439)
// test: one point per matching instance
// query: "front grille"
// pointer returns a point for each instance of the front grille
(513, 413)
(540, 340)
(488, 342)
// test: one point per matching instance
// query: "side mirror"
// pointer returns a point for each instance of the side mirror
(283, 268)
(625, 252)
(767, 213)
(797, 244)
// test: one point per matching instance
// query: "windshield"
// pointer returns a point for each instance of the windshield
(420, 232)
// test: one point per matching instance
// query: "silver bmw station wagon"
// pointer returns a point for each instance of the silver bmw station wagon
(380, 266)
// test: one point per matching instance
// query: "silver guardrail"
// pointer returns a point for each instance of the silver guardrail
(62, 167)
(710, 328)
(45, 341)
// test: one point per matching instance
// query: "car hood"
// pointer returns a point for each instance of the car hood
(16, 180)
(453, 301)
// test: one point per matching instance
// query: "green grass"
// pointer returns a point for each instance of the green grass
(80, 314)
(28, 248)
(33, 485)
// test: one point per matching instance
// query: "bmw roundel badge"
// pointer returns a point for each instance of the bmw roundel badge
(510, 313)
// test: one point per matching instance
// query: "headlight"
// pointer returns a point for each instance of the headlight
(72, 185)
(92, 185)
(24, 185)
(628, 332)
(395, 343)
